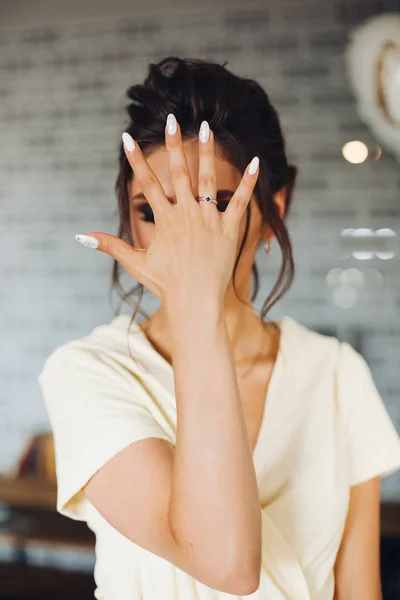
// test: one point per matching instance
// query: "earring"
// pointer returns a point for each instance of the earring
(267, 246)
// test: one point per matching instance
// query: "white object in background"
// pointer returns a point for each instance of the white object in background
(373, 65)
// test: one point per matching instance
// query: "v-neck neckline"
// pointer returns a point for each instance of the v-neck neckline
(282, 322)
(271, 387)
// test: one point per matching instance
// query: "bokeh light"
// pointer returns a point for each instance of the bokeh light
(355, 152)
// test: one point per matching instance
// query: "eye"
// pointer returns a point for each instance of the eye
(148, 217)
(222, 204)
(147, 213)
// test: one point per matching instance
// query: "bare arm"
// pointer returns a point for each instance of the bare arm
(357, 568)
(214, 509)
(196, 505)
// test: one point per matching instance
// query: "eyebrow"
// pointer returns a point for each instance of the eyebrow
(220, 194)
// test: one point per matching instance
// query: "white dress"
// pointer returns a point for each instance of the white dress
(324, 429)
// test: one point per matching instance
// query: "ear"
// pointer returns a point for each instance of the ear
(279, 199)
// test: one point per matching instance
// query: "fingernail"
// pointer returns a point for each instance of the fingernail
(254, 165)
(171, 124)
(87, 240)
(204, 133)
(128, 141)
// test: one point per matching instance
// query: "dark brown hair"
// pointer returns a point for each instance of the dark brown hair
(244, 123)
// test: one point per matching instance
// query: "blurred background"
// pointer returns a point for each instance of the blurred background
(331, 69)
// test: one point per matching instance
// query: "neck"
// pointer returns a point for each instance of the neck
(246, 330)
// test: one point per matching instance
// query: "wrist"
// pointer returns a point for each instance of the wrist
(194, 329)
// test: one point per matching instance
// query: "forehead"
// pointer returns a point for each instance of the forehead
(226, 174)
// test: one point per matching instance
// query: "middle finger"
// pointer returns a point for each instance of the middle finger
(177, 162)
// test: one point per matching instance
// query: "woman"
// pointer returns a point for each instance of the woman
(233, 455)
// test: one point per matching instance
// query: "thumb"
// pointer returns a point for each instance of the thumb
(132, 259)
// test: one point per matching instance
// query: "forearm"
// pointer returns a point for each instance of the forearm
(358, 593)
(214, 508)
(357, 565)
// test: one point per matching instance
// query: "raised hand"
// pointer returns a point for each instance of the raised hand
(194, 246)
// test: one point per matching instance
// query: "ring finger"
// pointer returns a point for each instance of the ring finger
(207, 185)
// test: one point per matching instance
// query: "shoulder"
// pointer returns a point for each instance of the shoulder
(103, 350)
(307, 349)
(315, 356)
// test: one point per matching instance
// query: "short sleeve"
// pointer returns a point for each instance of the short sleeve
(372, 440)
(95, 409)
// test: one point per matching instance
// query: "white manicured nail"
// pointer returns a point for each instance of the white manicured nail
(204, 133)
(254, 165)
(87, 240)
(171, 124)
(128, 141)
